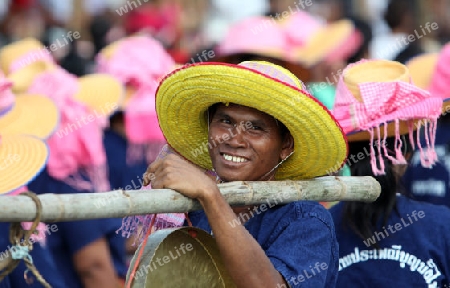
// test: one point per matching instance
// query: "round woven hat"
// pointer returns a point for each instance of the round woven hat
(333, 41)
(24, 60)
(371, 74)
(258, 35)
(422, 68)
(19, 54)
(22, 158)
(184, 96)
(173, 258)
(102, 93)
(31, 114)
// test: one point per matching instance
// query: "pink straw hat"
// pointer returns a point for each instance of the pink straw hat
(375, 99)
(255, 35)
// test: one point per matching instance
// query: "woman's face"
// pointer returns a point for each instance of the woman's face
(245, 144)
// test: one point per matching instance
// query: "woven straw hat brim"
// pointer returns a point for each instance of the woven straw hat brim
(24, 77)
(102, 93)
(421, 69)
(184, 96)
(12, 52)
(32, 114)
(22, 158)
(323, 42)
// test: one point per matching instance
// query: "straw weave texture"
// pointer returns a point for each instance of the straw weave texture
(185, 95)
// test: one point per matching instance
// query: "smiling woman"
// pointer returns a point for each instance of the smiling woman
(256, 128)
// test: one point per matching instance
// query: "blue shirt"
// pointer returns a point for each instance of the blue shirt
(298, 238)
(42, 260)
(415, 249)
(431, 185)
(121, 176)
(72, 236)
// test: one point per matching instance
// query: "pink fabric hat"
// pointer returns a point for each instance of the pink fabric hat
(139, 62)
(136, 60)
(376, 99)
(300, 27)
(317, 41)
(77, 145)
(441, 78)
(258, 35)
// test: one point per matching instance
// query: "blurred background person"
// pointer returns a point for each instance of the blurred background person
(401, 18)
(430, 71)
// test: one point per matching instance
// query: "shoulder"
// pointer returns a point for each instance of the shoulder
(437, 216)
(112, 140)
(300, 213)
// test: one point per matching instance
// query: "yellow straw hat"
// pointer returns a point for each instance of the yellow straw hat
(333, 41)
(22, 157)
(26, 114)
(185, 95)
(23, 61)
(422, 68)
(20, 54)
(31, 114)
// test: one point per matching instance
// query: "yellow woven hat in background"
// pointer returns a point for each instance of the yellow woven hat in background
(22, 157)
(26, 51)
(22, 60)
(431, 72)
(185, 95)
(422, 68)
(101, 92)
(31, 114)
(371, 76)
(28, 114)
(333, 41)
(26, 59)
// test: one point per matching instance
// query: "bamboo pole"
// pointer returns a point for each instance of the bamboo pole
(121, 203)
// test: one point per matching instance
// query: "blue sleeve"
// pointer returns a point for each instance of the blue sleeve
(5, 283)
(79, 234)
(44, 263)
(303, 253)
(117, 245)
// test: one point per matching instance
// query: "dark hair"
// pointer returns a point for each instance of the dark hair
(116, 118)
(396, 11)
(366, 218)
(283, 129)
(366, 30)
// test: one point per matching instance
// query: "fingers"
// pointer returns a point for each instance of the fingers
(155, 170)
(149, 175)
(159, 176)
